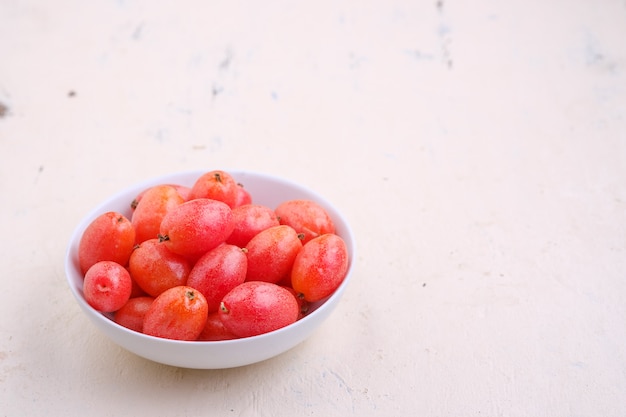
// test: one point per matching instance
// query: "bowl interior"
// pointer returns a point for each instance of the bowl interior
(265, 189)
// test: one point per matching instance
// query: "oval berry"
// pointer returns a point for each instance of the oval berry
(320, 267)
(155, 268)
(109, 237)
(196, 226)
(255, 307)
(107, 286)
(214, 329)
(243, 196)
(182, 190)
(306, 217)
(216, 185)
(179, 313)
(152, 207)
(217, 272)
(271, 254)
(131, 314)
(249, 220)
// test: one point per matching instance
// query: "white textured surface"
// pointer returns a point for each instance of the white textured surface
(478, 148)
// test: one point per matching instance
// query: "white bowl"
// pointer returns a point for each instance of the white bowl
(265, 189)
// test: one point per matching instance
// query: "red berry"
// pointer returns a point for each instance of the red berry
(149, 212)
(107, 286)
(214, 329)
(179, 313)
(217, 272)
(255, 307)
(306, 217)
(249, 220)
(271, 254)
(320, 267)
(196, 226)
(155, 268)
(183, 191)
(109, 237)
(243, 196)
(216, 185)
(131, 314)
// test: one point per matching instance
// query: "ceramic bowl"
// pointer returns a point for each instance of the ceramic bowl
(265, 189)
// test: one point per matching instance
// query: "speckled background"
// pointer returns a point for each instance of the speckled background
(477, 148)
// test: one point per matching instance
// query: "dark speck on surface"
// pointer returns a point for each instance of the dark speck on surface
(216, 90)
(228, 56)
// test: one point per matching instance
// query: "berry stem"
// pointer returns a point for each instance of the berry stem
(223, 308)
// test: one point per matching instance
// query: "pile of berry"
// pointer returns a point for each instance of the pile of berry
(206, 263)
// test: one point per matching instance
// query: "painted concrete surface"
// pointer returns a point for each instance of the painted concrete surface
(478, 150)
